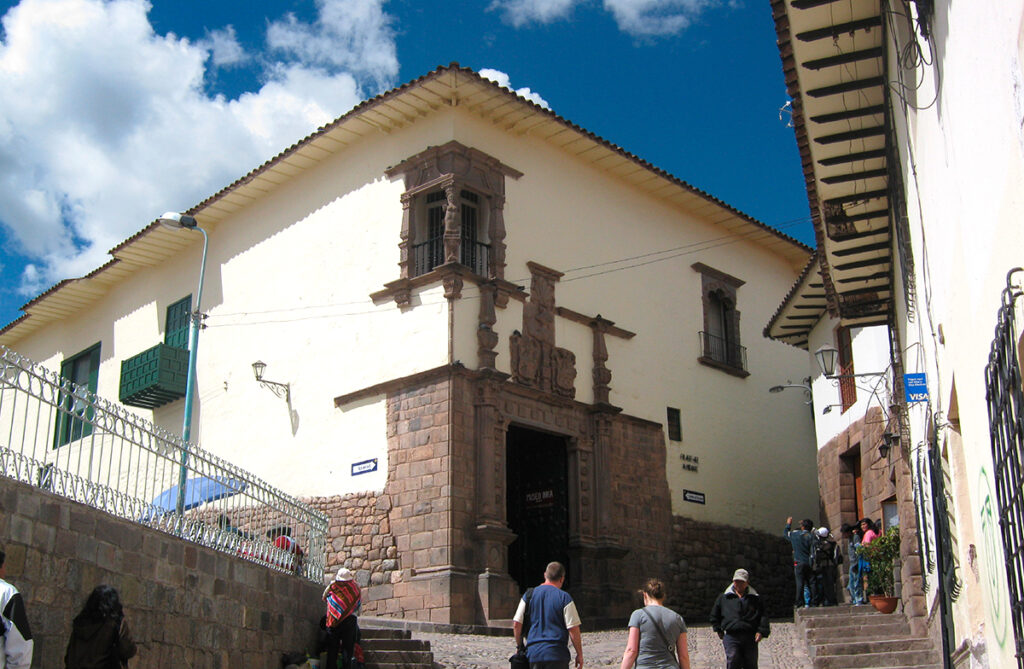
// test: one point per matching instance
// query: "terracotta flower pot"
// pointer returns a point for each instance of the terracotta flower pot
(883, 604)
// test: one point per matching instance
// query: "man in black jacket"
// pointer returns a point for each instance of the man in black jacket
(738, 618)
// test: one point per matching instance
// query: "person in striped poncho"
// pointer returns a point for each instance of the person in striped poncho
(343, 600)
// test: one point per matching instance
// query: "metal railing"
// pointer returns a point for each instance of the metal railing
(722, 351)
(1005, 398)
(430, 254)
(129, 467)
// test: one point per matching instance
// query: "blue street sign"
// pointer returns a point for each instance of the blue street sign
(915, 387)
(364, 467)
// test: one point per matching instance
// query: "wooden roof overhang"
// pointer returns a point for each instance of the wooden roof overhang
(802, 308)
(448, 86)
(834, 59)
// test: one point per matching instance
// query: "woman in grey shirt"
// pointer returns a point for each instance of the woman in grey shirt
(657, 635)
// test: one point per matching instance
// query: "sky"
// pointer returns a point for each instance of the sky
(115, 111)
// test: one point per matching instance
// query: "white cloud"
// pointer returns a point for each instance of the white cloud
(98, 136)
(225, 51)
(354, 35)
(651, 18)
(639, 18)
(522, 12)
(502, 80)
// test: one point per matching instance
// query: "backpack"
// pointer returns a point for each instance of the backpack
(823, 553)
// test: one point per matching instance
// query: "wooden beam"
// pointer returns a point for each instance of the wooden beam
(844, 58)
(848, 114)
(833, 32)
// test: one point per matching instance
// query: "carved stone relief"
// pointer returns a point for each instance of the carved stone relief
(536, 361)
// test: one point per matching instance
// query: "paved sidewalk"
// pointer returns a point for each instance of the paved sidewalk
(784, 649)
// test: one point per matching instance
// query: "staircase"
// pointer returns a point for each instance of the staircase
(858, 637)
(394, 648)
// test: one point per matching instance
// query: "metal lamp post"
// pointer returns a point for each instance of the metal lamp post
(175, 220)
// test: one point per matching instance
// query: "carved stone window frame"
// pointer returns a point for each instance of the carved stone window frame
(716, 285)
(450, 168)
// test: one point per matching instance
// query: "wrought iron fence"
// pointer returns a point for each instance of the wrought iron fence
(1005, 398)
(723, 351)
(129, 467)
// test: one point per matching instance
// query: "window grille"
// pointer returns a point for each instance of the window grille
(1005, 398)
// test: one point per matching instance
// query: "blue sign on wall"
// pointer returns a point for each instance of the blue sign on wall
(364, 467)
(915, 387)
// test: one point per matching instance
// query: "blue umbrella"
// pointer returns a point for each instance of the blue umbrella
(198, 491)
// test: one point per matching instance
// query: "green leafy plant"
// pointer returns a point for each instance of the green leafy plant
(881, 555)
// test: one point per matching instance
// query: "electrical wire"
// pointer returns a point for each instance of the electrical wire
(287, 314)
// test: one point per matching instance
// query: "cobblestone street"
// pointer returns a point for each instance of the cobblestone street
(784, 649)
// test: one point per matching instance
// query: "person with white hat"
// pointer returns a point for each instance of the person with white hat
(343, 600)
(739, 619)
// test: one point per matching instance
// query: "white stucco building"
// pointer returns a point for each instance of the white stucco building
(909, 118)
(484, 312)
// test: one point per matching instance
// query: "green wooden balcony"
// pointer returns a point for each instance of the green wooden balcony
(154, 377)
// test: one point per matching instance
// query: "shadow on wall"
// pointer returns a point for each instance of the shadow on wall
(704, 556)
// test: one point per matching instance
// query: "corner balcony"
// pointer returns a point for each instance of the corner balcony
(155, 377)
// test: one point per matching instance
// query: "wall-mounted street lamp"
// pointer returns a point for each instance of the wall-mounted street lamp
(282, 390)
(827, 356)
(176, 221)
(889, 439)
(805, 386)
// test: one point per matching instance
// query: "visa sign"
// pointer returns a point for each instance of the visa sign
(915, 387)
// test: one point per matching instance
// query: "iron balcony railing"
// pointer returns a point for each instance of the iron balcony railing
(430, 254)
(118, 462)
(720, 350)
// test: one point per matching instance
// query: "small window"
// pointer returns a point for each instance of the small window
(720, 337)
(847, 386)
(675, 427)
(177, 323)
(75, 410)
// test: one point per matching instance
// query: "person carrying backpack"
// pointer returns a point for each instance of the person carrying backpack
(825, 558)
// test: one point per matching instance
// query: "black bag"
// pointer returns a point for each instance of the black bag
(519, 661)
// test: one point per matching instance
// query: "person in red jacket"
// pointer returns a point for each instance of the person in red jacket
(343, 600)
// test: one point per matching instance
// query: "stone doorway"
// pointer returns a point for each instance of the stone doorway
(537, 508)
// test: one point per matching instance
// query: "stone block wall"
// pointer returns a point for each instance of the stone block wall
(359, 537)
(705, 555)
(188, 605)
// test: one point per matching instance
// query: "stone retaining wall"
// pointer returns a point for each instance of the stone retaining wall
(705, 555)
(359, 537)
(188, 606)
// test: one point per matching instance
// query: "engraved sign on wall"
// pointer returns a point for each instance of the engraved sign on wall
(691, 463)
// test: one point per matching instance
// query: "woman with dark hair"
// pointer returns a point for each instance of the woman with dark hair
(100, 638)
(657, 635)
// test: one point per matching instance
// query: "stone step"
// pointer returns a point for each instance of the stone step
(395, 644)
(852, 619)
(896, 629)
(403, 657)
(837, 610)
(383, 633)
(398, 665)
(903, 658)
(873, 646)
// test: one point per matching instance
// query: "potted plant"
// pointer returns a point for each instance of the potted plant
(881, 555)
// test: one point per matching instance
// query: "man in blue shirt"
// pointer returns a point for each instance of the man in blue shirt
(553, 622)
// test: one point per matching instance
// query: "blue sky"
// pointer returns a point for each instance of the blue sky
(115, 111)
